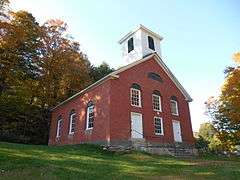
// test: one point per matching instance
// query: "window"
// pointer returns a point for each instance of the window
(156, 100)
(155, 77)
(72, 122)
(90, 115)
(130, 45)
(158, 126)
(59, 126)
(136, 95)
(174, 106)
(151, 43)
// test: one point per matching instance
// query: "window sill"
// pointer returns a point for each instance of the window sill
(175, 114)
(136, 106)
(157, 134)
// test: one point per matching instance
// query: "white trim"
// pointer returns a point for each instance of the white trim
(161, 119)
(70, 125)
(58, 128)
(160, 103)
(177, 114)
(139, 92)
(87, 123)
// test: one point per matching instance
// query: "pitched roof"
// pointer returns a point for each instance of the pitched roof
(115, 75)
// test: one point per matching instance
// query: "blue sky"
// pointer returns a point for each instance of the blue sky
(199, 36)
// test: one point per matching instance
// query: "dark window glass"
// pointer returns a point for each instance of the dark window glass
(130, 45)
(155, 77)
(151, 43)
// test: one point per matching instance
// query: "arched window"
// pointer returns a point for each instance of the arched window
(156, 101)
(155, 77)
(174, 106)
(136, 95)
(90, 115)
(130, 45)
(72, 121)
(59, 126)
(151, 43)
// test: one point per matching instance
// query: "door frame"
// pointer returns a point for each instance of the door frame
(174, 121)
(136, 113)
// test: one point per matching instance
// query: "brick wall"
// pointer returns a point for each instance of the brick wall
(113, 110)
(100, 133)
(121, 108)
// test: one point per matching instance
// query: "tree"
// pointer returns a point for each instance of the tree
(39, 67)
(98, 72)
(207, 131)
(64, 69)
(225, 110)
(208, 138)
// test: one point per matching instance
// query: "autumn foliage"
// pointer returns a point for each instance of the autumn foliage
(40, 66)
(225, 110)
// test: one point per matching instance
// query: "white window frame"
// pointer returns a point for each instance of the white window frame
(177, 113)
(71, 124)
(139, 92)
(160, 103)
(88, 108)
(58, 128)
(161, 120)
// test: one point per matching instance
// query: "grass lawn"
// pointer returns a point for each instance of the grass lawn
(19, 161)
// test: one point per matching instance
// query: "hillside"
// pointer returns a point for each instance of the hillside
(90, 162)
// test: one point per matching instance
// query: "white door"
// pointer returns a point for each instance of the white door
(136, 125)
(177, 131)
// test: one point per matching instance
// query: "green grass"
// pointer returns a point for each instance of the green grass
(19, 161)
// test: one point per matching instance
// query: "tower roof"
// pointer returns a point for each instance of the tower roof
(140, 26)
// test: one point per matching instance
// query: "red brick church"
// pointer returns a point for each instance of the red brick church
(142, 100)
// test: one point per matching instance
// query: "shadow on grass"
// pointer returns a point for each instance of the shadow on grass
(90, 162)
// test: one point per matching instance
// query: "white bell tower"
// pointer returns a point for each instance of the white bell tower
(139, 43)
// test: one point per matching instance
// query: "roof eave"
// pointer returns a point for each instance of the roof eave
(99, 82)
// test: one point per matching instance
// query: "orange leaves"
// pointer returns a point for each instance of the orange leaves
(236, 57)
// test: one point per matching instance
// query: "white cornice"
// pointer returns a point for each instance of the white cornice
(140, 26)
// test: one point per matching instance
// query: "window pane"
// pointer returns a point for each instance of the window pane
(156, 102)
(174, 108)
(135, 97)
(158, 125)
(73, 122)
(90, 117)
(59, 127)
